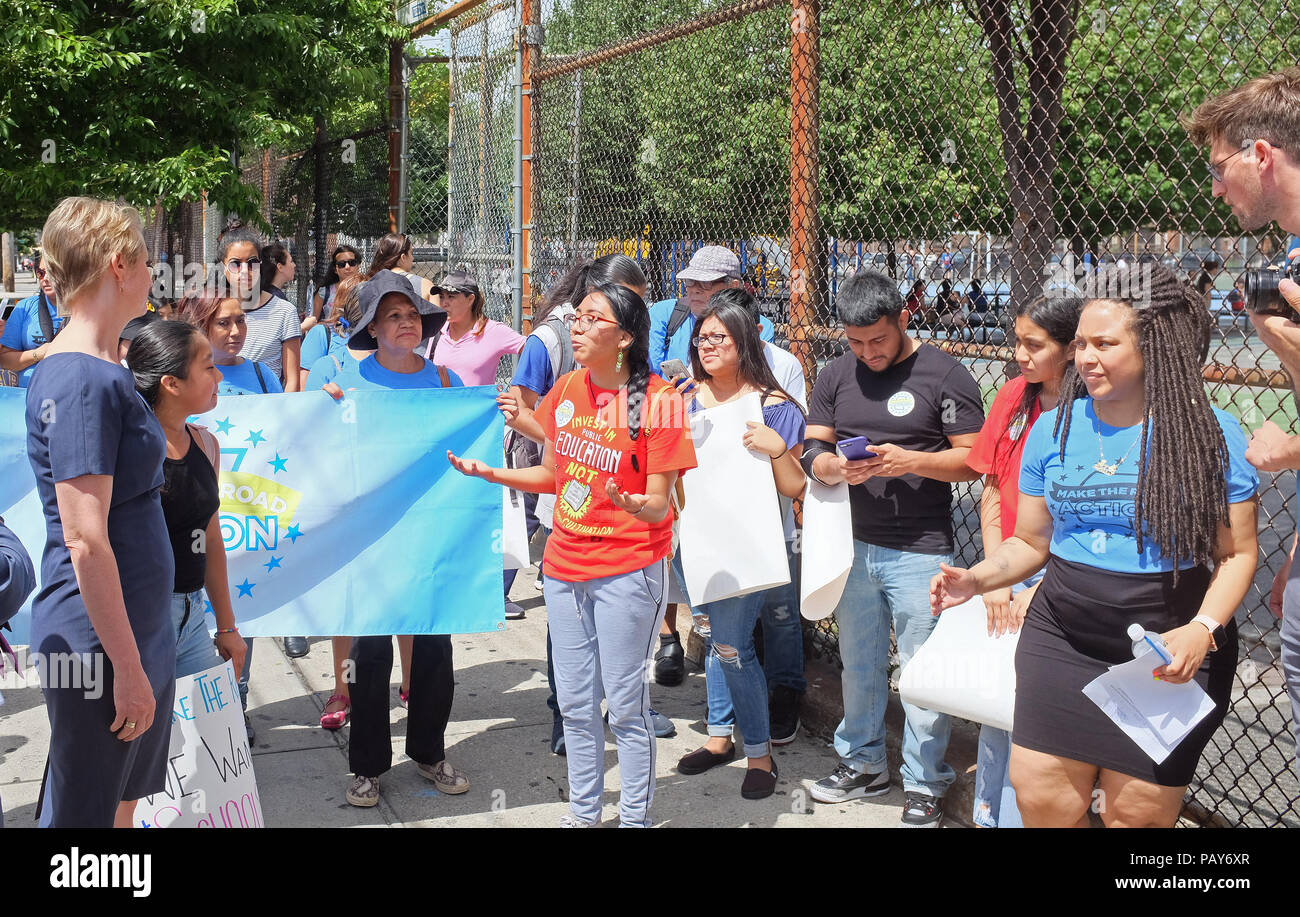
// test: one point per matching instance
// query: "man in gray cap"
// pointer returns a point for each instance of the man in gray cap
(672, 321)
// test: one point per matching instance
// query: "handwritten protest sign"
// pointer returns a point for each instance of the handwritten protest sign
(210, 782)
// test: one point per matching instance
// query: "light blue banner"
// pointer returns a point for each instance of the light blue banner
(339, 518)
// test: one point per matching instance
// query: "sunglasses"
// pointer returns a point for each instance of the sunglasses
(350, 262)
(234, 264)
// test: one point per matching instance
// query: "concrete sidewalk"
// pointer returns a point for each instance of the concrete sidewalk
(499, 736)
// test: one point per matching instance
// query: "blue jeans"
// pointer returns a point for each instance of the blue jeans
(737, 689)
(995, 800)
(888, 586)
(195, 651)
(782, 646)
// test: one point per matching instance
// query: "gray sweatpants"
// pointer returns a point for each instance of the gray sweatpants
(602, 634)
(1291, 648)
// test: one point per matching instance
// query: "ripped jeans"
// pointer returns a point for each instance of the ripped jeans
(733, 661)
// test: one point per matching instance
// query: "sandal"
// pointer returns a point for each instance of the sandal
(338, 717)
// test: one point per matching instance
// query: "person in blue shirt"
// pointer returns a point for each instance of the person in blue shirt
(1136, 493)
(712, 268)
(393, 322)
(325, 351)
(32, 324)
(222, 322)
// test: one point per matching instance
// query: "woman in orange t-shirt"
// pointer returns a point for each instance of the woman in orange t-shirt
(616, 440)
(1045, 331)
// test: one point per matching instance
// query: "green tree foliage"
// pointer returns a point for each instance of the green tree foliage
(147, 99)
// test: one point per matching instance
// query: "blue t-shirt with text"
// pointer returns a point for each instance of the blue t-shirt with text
(1092, 512)
(23, 330)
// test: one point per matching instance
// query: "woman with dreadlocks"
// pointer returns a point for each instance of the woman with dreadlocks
(1130, 491)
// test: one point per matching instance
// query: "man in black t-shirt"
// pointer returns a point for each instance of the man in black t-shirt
(920, 410)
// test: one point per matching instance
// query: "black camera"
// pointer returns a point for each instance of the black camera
(1262, 295)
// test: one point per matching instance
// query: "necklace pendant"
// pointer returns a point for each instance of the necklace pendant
(1105, 468)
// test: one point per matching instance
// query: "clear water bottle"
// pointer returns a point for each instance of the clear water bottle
(1139, 636)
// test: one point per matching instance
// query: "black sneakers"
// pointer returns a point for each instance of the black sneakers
(783, 714)
(846, 783)
(921, 811)
(670, 662)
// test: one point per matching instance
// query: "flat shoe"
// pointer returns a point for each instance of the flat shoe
(338, 717)
(759, 784)
(701, 760)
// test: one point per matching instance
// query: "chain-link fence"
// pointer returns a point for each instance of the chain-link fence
(313, 199)
(484, 90)
(968, 150)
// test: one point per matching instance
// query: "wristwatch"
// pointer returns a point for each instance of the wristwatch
(1217, 633)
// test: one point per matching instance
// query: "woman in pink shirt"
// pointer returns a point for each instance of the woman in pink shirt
(471, 345)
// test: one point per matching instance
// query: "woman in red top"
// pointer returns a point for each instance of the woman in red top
(616, 440)
(1044, 332)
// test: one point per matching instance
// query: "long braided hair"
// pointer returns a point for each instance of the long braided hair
(634, 318)
(1183, 466)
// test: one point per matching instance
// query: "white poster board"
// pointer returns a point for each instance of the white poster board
(827, 548)
(732, 540)
(963, 671)
(514, 530)
(210, 782)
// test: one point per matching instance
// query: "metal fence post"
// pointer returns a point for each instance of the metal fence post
(805, 261)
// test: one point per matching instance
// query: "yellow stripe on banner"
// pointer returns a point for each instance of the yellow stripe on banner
(247, 494)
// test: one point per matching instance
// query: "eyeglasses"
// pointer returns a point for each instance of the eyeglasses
(716, 339)
(704, 284)
(234, 264)
(586, 321)
(350, 262)
(1216, 168)
(40, 273)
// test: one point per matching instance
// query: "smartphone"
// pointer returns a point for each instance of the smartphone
(670, 369)
(9, 310)
(855, 449)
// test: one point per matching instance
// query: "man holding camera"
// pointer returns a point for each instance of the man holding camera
(1253, 136)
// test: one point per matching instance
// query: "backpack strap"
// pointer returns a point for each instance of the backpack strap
(43, 317)
(554, 335)
(680, 311)
(261, 380)
(338, 367)
(442, 376)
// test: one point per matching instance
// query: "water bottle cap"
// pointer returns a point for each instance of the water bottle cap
(1135, 631)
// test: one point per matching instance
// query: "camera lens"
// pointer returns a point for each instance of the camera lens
(1261, 291)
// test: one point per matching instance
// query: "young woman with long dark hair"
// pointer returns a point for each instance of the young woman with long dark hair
(727, 363)
(394, 253)
(615, 444)
(175, 374)
(1131, 489)
(1044, 333)
(274, 336)
(345, 262)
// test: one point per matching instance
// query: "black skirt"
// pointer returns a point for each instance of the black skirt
(1075, 629)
